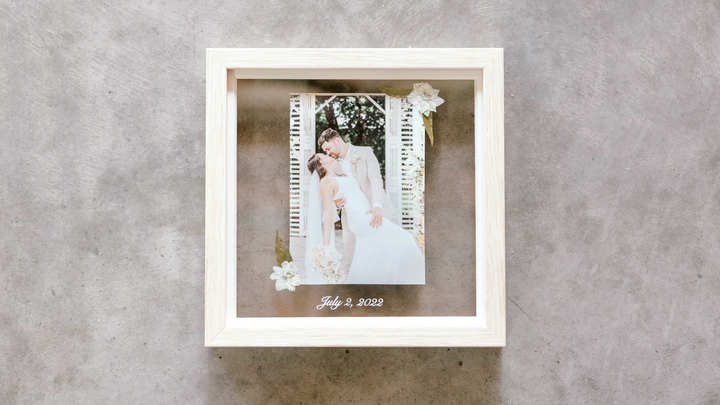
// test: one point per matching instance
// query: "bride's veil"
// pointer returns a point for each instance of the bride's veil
(314, 229)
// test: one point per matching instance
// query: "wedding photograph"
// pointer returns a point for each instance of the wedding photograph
(357, 189)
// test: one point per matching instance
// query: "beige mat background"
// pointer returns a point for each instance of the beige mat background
(263, 206)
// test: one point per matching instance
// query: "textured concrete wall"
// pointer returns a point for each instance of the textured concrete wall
(612, 187)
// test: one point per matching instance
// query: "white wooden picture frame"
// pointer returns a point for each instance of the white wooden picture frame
(222, 326)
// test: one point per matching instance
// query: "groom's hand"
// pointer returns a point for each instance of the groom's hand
(377, 216)
(340, 202)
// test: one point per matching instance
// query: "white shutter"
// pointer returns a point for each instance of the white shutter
(307, 149)
(418, 142)
(393, 169)
(412, 141)
(295, 165)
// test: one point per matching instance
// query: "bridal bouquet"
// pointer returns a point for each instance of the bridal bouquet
(326, 261)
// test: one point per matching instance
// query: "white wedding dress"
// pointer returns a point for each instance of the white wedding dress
(387, 254)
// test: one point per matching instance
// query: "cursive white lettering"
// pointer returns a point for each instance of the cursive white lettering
(326, 302)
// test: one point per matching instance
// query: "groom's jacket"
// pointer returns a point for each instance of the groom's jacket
(366, 170)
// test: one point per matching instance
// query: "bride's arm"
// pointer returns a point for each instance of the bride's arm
(326, 194)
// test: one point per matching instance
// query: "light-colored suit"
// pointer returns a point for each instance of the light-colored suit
(366, 170)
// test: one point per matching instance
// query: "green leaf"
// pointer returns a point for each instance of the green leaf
(282, 253)
(428, 121)
(399, 93)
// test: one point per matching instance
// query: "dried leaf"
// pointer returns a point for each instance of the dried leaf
(282, 253)
(428, 121)
(399, 93)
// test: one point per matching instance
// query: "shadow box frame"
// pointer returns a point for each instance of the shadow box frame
(222, 326)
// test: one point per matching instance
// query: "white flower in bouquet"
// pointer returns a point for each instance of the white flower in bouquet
(332, 255)
(425, 98)
(317, 256)
(285, 276)
(333, 279)
(320, 255)
(326, 261)
(328, 271)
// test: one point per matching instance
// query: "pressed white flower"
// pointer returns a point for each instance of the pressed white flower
(285, 276)
(425, 98)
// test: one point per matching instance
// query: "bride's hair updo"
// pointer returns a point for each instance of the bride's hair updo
(314, 165)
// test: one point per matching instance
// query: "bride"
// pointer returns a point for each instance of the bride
(383, 255)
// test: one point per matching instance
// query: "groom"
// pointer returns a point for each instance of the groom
(360, 163)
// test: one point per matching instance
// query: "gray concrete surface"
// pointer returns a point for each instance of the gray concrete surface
(612, 187)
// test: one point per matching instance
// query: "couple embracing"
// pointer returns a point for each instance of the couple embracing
(376, 250)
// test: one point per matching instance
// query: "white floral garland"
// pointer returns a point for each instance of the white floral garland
(416, 174)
